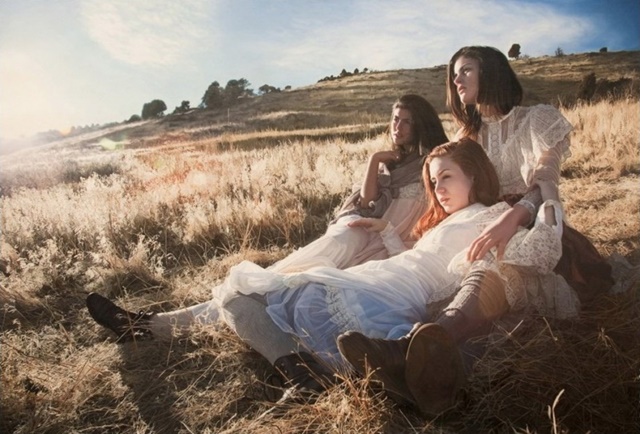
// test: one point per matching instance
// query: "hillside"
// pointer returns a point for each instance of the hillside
(359, 99)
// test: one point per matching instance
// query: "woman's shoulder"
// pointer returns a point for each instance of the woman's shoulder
(543, 112)
(540, 113)
(467, 213)
(543, 121)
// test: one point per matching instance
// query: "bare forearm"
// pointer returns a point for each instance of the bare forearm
(369, 189)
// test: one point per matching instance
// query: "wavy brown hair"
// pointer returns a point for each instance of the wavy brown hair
(474, 163)
(499, 88)
(426, 126)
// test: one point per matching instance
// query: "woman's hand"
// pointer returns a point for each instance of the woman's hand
(498, 233)
(385, 156)
(369, 224)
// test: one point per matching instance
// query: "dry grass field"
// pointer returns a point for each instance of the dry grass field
(154, 214)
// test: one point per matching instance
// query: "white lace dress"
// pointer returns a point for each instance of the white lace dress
(339, 247)
(527, 147)
(384, 298)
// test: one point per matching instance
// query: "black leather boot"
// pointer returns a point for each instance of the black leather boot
(384, 359)
(127, 325)
(302, 377)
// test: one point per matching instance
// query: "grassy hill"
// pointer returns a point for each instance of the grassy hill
(154, 214)
(366, 98)
(361, 100)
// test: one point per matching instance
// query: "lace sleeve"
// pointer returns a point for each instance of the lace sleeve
(549, 129)
(547, 174)
(544, 147)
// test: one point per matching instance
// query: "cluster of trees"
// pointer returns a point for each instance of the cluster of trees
(344, 73)
(265, 88)
(215, 96)
(514, 51)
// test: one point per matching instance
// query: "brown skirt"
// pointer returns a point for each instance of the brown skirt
(581, 265)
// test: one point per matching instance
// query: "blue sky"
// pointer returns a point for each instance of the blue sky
(70, 63)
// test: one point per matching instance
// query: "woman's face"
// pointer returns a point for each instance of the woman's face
(451, 185)
(466, 77)
(401, 127)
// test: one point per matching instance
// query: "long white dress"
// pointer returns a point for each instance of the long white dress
(342, 246)
(383, 298)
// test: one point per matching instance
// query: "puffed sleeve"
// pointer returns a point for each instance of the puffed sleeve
(549, 147)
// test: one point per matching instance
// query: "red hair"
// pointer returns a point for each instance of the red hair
(474, 163)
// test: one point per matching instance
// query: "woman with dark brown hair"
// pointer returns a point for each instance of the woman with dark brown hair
(527, 146)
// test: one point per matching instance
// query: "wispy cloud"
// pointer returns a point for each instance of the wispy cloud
(384, 35)
(49, 57)
(140, 32)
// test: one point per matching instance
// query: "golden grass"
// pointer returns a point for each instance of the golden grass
(605, 138)
(157, 227)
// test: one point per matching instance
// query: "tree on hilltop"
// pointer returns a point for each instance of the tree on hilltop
(236, 89)
(153, 109)
(514, 51)
(266, 88)
(213, 97)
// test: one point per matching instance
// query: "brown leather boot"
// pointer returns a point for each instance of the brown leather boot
(383, 358)
(434, 369)
(480, 300)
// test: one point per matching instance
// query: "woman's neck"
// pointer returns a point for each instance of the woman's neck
(490, 112)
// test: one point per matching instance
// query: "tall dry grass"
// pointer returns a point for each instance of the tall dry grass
(157, 227)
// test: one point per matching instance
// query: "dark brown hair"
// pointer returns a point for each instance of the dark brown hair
(426, 125)
(499, 89)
